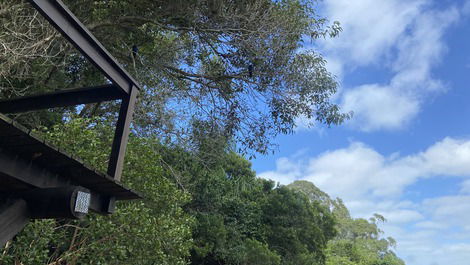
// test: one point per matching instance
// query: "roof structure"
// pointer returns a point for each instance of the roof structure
(38, 180)
(58, 167)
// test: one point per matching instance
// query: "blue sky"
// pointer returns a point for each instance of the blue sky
(404, 69)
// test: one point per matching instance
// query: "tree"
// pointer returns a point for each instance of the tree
(237, 65)
(297, 228)
(358, 241)
(240, 218)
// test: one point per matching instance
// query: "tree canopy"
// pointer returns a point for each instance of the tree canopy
(241, 66)
(358, 241)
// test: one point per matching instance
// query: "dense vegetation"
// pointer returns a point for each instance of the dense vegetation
(218, 77)
(357, 241)
(211, 212)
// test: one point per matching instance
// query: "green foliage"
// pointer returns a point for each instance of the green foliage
(255, 252)
(209, 212)
(297, 228)
(358, 241)
(241, 219)
(153, 231)
(32, 245)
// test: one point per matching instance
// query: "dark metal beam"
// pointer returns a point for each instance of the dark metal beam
(31, 175)
(121, 135)
(14, 216)
(20, 143)
(69, 202)
(72, 29)
(26, 172)
(62, 98)
(65, 22)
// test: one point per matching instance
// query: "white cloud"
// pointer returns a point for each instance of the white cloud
(402, 216)
(403, 38)
(431, 225)
(449, 157)
(465, 187)
(442, 238)
(451, 254)
(426, 247)
(370, 28)
(379, 107)
(451, 210)
(359, 170)
(335, 66)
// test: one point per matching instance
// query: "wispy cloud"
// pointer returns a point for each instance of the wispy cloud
(402, 37)
(370, 28)
(465, 187)
(359, 170)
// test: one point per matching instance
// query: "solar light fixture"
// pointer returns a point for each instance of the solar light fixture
(82, 202)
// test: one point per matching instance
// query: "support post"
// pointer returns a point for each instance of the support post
(14, 216)
(121, 135)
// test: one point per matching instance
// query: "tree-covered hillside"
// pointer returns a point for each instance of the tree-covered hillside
(358, 241)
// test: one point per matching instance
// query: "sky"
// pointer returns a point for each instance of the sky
(404, 70)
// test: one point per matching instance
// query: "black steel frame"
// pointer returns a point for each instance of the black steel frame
(122, 87)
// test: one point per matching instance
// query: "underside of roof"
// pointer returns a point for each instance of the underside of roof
(23, 144)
